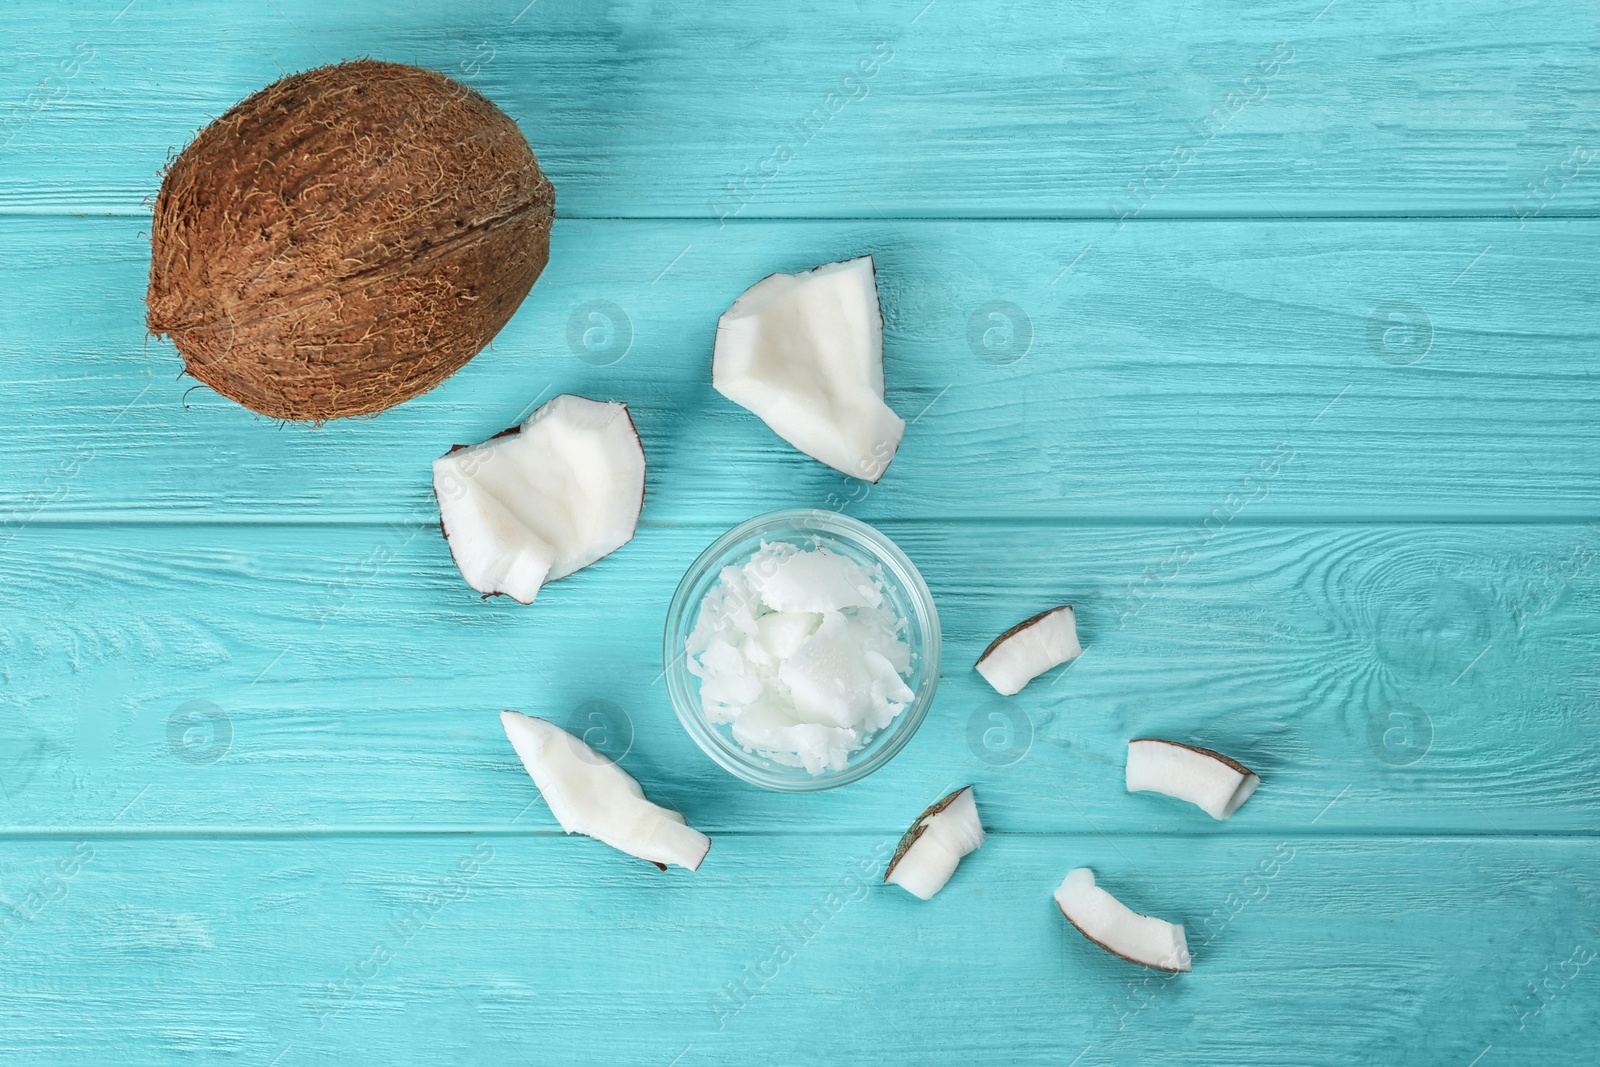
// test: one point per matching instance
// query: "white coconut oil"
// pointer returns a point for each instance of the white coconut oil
(802, 654)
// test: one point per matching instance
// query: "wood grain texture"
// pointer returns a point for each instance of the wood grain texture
(469, 949)
(643, 108)
(1435, 678)
(1167, 367)
(1264, 334)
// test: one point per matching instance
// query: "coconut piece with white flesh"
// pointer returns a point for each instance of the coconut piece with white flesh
(804, 352)
(931, 849)
(542, 500)
(1117, 928)
(1209, 780)
(589, 794)
(1030, 648)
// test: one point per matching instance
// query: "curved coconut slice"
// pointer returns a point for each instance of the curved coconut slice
(931, 849)
(588, 794)
(804, 352)
(1117, 928)
(540, 501)
(1030, 648)
(1209, 780)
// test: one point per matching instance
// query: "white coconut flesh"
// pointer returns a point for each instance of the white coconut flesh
(1030, 648)
(933, 847)
(804, 352)
(589, 794)
(1209, 780)
(535, 504)
(1117, 928)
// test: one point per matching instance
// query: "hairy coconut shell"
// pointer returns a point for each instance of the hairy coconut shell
(346, 239)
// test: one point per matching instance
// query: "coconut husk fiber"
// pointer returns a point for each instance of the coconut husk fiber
(346, 239)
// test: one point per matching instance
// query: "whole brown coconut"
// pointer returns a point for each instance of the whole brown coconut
(346, 239)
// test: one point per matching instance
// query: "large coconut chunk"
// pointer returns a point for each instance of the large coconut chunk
(805, 353)
(1117, 928)
(538, 502)
(589, 794)
(1209, 780)
(1030, 648)
(931, 849)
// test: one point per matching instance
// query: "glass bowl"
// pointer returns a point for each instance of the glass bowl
(905, 592)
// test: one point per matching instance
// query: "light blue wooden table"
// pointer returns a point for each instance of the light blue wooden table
(1266, 333)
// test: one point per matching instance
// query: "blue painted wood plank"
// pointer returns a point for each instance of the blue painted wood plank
(1413, 369)
(254, 804)
(1435, 678)
(830, 108)
(466, 949)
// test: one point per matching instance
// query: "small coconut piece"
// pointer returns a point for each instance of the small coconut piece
(345, 239)
(804, 352)
(1030, 648)
(539, 501)
(1209, 780)
(589, 794)
(931, 849)
(1117, 928)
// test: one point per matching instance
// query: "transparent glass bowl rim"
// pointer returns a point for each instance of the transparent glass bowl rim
(898, 571)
